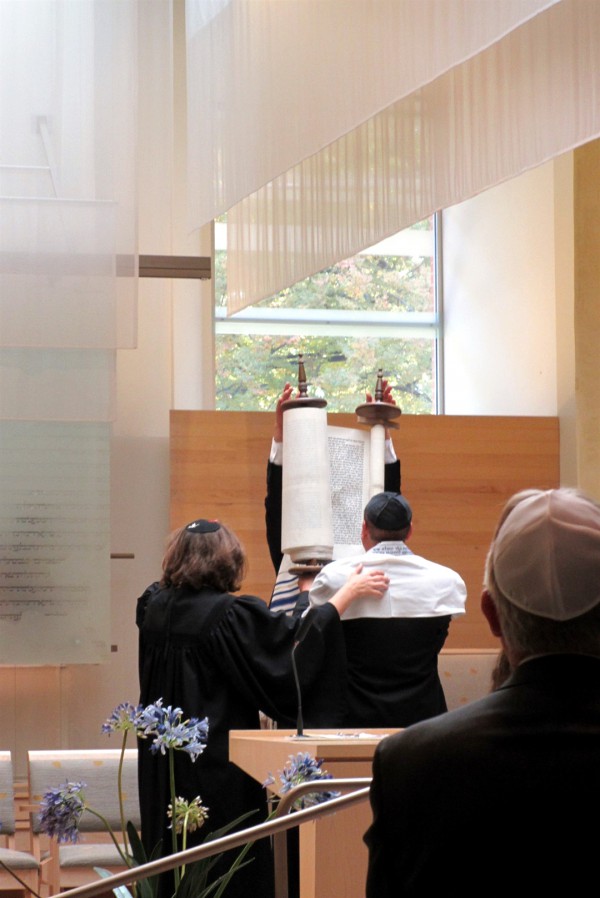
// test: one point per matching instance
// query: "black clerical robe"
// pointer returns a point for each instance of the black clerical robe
(225, 658)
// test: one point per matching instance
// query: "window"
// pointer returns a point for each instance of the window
(379, 309)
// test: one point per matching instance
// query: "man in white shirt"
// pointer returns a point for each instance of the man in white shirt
(392, 646)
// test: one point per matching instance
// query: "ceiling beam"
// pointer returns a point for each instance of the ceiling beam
(198, 267)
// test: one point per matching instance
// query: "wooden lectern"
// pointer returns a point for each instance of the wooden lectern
(333, 856)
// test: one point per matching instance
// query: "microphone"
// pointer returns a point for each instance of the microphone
(306, 622)
(305, 625)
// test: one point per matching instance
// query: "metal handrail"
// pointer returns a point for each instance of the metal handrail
(285, 805)
(280, 823)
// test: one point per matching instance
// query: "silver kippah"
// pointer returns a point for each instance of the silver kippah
(546, 554)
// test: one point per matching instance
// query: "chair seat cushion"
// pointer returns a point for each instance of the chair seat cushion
(90, 855)
(19, 860)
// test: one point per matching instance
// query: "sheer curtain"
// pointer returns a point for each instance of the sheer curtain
(68, 74)
(338, 124)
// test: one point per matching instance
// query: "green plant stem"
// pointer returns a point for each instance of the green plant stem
(184, 838)
(126, 858)
(176, 871)
(126, 845)
(121, 802)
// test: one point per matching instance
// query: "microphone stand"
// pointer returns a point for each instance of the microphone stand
(299, 719)
(305, 625)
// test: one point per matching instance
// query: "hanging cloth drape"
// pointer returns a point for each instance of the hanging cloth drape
(392, 112)
(68, 265)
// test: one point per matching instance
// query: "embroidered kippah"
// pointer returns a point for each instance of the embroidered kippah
(203, 526)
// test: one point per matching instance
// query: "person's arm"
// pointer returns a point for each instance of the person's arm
(274, 484)
(392, 478)
(278, 429)
(273, 513)
(392, 475)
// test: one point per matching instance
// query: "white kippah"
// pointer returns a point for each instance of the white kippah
(546, 554)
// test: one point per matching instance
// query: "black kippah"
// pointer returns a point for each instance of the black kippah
(203, 526)
(388, 511)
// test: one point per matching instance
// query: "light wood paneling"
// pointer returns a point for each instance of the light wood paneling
(586, 202)
(457, 472)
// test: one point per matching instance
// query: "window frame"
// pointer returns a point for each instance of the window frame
(351, 323)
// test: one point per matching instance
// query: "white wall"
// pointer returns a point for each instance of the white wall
(500, 300)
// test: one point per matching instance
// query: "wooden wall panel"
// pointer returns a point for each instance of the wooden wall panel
(457, 472)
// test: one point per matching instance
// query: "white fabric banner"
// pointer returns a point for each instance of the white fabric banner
(322, 127)
(271, 82)
(519, 102)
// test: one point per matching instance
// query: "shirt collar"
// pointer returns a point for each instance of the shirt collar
(391, 547)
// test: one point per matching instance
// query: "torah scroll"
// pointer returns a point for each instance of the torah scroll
(329, 475)
(306, 524)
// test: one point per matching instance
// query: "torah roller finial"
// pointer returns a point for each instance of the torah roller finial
(378, 411)
(303, 400)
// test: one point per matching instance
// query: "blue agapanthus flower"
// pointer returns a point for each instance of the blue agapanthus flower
(125, 718)
(61, 810)
(171, 731)
(303, 768)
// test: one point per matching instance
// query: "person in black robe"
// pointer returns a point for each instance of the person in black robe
(227, 658)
